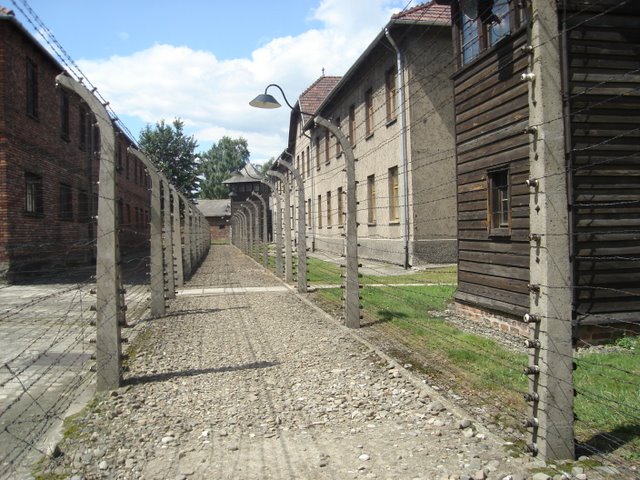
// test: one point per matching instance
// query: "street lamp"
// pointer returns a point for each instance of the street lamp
(352, 300)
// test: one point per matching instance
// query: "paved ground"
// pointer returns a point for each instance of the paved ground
(45, 332)
(255, 383)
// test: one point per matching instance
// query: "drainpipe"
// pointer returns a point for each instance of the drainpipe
(404, 179)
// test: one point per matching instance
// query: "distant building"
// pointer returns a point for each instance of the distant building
(49, 166)
(242, 184)
(401, 130)
(599, 83)
(217, 213)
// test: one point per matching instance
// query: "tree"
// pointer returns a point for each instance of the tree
(173, 153)
(266, 166)
(219, 162)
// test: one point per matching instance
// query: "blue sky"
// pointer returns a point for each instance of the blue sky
(203, 61)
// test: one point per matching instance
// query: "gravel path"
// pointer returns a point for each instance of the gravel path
(262, 385)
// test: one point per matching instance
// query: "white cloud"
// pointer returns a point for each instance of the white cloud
(211, 96)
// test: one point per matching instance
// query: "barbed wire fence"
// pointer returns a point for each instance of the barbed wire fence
(71, 306)
(553, 367)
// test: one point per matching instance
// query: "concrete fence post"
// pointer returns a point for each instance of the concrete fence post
(186, 254)
(167, 228)
(352, 286)
(109, 303)
(288, 261)
(177, 238)
(250, 230)
(550, 313)
(256, 227)
(244, 244)
(301, 226)
(277, 232)
(156, 280)
(265, 232)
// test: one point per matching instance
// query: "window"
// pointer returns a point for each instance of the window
(340, 207)
(338, 146)
(470, 39)
(308, 162)
(371, 199)
(33, 194)
(500, 25)
(352, 124)
(483, 29)
(127, 165)
(390, 93)
(329, 212)
(309, 213)
(499, 201)
(82, 128)
(394, 203)
(327, 159)
(368, 112)
(65, 207)
(32, 89)
(302, 165)
(317, 148)
(83, 206)
(64, 115)
(319, 211)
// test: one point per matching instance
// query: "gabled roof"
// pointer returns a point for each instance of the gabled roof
(426, 14)
(215, 208)
(247, 174)
(312, 97)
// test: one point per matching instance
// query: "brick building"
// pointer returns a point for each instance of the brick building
(48, 166)
(217, 213)
(395, 106)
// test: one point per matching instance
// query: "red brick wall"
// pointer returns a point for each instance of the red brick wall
(219, 228)
(36, 145)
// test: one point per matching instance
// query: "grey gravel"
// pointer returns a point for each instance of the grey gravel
(262, 385)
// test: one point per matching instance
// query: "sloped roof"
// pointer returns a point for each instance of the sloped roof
(426, 14)
(430, 13)
(247, 174)
(313, 96)
(215, 208)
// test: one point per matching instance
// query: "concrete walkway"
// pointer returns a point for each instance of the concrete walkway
(256, 383)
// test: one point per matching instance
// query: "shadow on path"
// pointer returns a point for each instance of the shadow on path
(194, 311)
(161, 377)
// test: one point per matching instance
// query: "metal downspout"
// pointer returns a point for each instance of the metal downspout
(403, 151)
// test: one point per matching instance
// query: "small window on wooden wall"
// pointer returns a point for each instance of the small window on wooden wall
(499, 202)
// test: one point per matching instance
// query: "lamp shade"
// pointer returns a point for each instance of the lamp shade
(264, 100)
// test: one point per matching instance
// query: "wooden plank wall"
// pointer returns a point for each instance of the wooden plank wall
(491, 108)
(604, 95)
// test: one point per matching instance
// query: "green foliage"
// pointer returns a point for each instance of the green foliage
(629, 342)
(173, 153)
(266, 166)
(218, 163)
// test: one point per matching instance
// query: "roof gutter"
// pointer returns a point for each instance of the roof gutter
(403, 150)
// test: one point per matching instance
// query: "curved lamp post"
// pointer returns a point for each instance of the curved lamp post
(352, 301)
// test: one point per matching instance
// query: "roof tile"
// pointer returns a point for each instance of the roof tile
(430, 13)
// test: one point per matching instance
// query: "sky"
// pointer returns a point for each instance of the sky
(203, 60)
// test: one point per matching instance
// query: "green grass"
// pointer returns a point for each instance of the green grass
(404, 320)
(608, 389)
